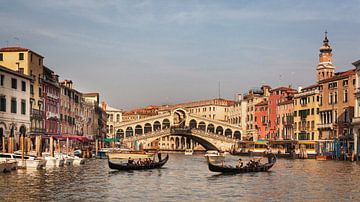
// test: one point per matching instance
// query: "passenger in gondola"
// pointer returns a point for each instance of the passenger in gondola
(240, 163)
(130, 161)
(138, 162)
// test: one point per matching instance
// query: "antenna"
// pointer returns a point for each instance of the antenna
(18, 40)
(7, 43)
(219, 91)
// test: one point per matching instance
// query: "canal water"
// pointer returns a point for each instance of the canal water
(186, 178)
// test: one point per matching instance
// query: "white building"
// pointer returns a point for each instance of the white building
(14, 104)
(356, 119)
(114, 116)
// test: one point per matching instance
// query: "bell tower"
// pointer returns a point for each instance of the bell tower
(325, 69)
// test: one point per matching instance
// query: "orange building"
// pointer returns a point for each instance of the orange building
(337, 96)
(262, 119)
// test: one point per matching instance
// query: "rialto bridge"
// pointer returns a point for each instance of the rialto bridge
(211, 134)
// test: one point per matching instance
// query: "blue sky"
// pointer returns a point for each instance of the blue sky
(137, 53)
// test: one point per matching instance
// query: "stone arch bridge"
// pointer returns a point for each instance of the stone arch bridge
(211, 134)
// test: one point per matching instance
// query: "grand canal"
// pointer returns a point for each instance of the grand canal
(186, 178)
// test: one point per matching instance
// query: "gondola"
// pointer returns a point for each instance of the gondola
(245, 169)
(133, 166)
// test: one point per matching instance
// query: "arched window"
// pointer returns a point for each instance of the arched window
(138, 130)
(192, 124)
(211, 128)
(219, 130)
(202, 126)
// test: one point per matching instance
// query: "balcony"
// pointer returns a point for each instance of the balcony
(37, 130)
(325, 126)
(356, 121)
(52, 115)
(37, 114)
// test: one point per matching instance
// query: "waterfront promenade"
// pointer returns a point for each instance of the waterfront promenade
(186, 178)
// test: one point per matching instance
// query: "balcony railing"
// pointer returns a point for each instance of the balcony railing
(325, 126)
(356, 121)
(35, 113)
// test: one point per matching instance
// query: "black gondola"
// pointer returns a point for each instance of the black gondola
(133, 166)
(245, 169)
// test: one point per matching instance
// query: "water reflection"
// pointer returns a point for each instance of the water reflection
(186, 178)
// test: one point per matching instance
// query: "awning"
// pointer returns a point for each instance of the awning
(112, 140)
(72, 137)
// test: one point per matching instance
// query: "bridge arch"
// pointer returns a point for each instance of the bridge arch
(138, 130)
(202, 126)
(165, 124)
(129, 132)
(219, 130)
(237, 135)
(192, 123)
(228, 133)
(211, 128)
(147, 128)
(157, 125)
(179, 117)
(120, 133)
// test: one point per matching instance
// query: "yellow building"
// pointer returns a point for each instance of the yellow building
(306, 113)
(29, 63)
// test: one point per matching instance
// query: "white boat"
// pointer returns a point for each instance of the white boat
(78, 161)
(54, 162)
(29, 162)
(213, 156)
(32, 163)
(189, 152)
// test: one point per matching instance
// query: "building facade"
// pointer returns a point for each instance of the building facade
(51, 96)
(285, 120)
(14, 105)
(29, 63)
(70, 109)
(307, 104)
(356, 119)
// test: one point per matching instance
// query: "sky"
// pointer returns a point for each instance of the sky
(138, 53)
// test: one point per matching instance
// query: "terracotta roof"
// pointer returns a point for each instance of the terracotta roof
(310, 87)
(17, 49)
(13, 49)
(282, 89)
(286, 102)
(339, 75)
(217, 101)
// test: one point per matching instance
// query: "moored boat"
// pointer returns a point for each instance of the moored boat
(28, 162)
(189, 152)
(134, 166)
(54, 162)
(78, 161)
(245, 169)
(214, 156)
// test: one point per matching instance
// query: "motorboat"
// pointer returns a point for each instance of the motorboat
(214, 156)
(78, 161)
(28, 162)
(54, 162)
(189, 152)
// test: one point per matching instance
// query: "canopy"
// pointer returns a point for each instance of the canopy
(72, 137)
(112, 140)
